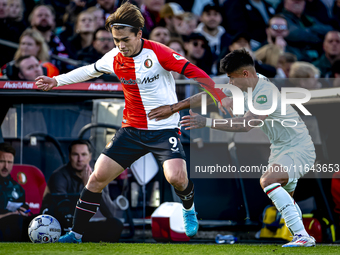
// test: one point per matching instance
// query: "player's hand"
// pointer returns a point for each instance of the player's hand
(193, 121)
(227, 103)
(160, 113)
(45, 83)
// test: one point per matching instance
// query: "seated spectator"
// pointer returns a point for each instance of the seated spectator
(188, 24)
(16, 15)
(284, 64)
(160, 34)
(171, 14)
(269, 54)
(72, 178)
(198, 52)
(304, 75)
(336, 73)
(84, 29)
(42, 19)
(14, 215)
(33, 44)
(215, 34)
(108, 6)
(102, 44)
(98, 15)
(248, 16)
(29, 68)
(150, 10)
(305, 32)
(182, 91)
(331, 48)
(242, 40)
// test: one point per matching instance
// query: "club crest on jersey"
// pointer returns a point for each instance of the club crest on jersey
(148, 63)
(178, 57)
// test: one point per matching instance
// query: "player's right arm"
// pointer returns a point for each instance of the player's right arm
(84, 73)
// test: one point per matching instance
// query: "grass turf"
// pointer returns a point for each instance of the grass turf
(140, 248)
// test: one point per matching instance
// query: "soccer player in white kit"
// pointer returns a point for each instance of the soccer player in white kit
(292, 150)
(150, 118)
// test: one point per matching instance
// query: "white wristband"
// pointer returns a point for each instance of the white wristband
(208, 122)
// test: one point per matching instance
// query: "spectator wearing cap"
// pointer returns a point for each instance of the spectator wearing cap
(336, 73)
(215, 34)
(242, 40)
(171, 15)
(305, 32)
(331, 48)
(198, 52)
(150, 10)
(248, 16)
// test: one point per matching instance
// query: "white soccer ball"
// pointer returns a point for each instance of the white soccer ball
(44, 229)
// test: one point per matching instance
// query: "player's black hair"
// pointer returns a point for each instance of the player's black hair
(5, 147)
(235, 60)
(80, 141)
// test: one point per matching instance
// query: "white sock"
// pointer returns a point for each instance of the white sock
(284, 204)
(77, 236)
(297, 208)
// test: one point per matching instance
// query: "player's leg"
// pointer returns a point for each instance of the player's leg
(274, 182)
(106, 170)
(175, 172)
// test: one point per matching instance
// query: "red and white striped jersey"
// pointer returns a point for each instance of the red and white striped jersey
(147, 82)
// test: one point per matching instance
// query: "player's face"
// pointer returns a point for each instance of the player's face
(127, 42)
(103, 42)
(30, 69)
(80, 157)
(6, 163)
(239, 79)
(28, 46)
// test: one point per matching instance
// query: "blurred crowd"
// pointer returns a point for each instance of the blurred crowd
(287, 38)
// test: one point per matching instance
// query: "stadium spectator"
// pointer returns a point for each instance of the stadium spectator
(318, 10)
(331, 48)
(188, 24)
(215, 34)
(305, 32)
(29, 68)
(160, 34)
(285, 62)
(171, 14)
(42, 19)
(33, 44)
(291, 146)
(14, 217)
(248, 16)
(242, 40)
(198, 52)
(151, 12)
(102, 44)
(336, 15)
(7, 33)
(83, 37)
(304, 75)
(109, 6)
(269, 55)
(336, 73)
(98, 14)
(16, 14)
(153, 128)
(72, 178)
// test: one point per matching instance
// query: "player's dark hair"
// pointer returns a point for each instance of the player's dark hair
(5, 147)
(80, 141)
(235, 60)
(128, 14)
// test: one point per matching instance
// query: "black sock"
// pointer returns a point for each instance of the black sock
(187, 195)
(87, 206)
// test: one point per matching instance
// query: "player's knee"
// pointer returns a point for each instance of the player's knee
(94, 184)
(267, 180)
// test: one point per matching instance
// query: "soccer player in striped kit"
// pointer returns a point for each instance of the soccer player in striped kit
(143, 68)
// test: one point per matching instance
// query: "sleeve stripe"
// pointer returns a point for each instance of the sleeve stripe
(96, 68)
(184, 67)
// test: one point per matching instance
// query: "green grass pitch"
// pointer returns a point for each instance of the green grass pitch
(140, 248)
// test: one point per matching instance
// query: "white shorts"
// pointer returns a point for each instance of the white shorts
(296, 164)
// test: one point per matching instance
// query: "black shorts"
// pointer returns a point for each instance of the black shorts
(129, 144)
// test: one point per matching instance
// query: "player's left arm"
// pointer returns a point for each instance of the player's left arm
(237, 124)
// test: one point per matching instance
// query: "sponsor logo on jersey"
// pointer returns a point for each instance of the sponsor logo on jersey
(139, 81)
(261, 99)
(148, 63)
(177, 57)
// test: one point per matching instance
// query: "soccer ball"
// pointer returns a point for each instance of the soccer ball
(44, 229)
